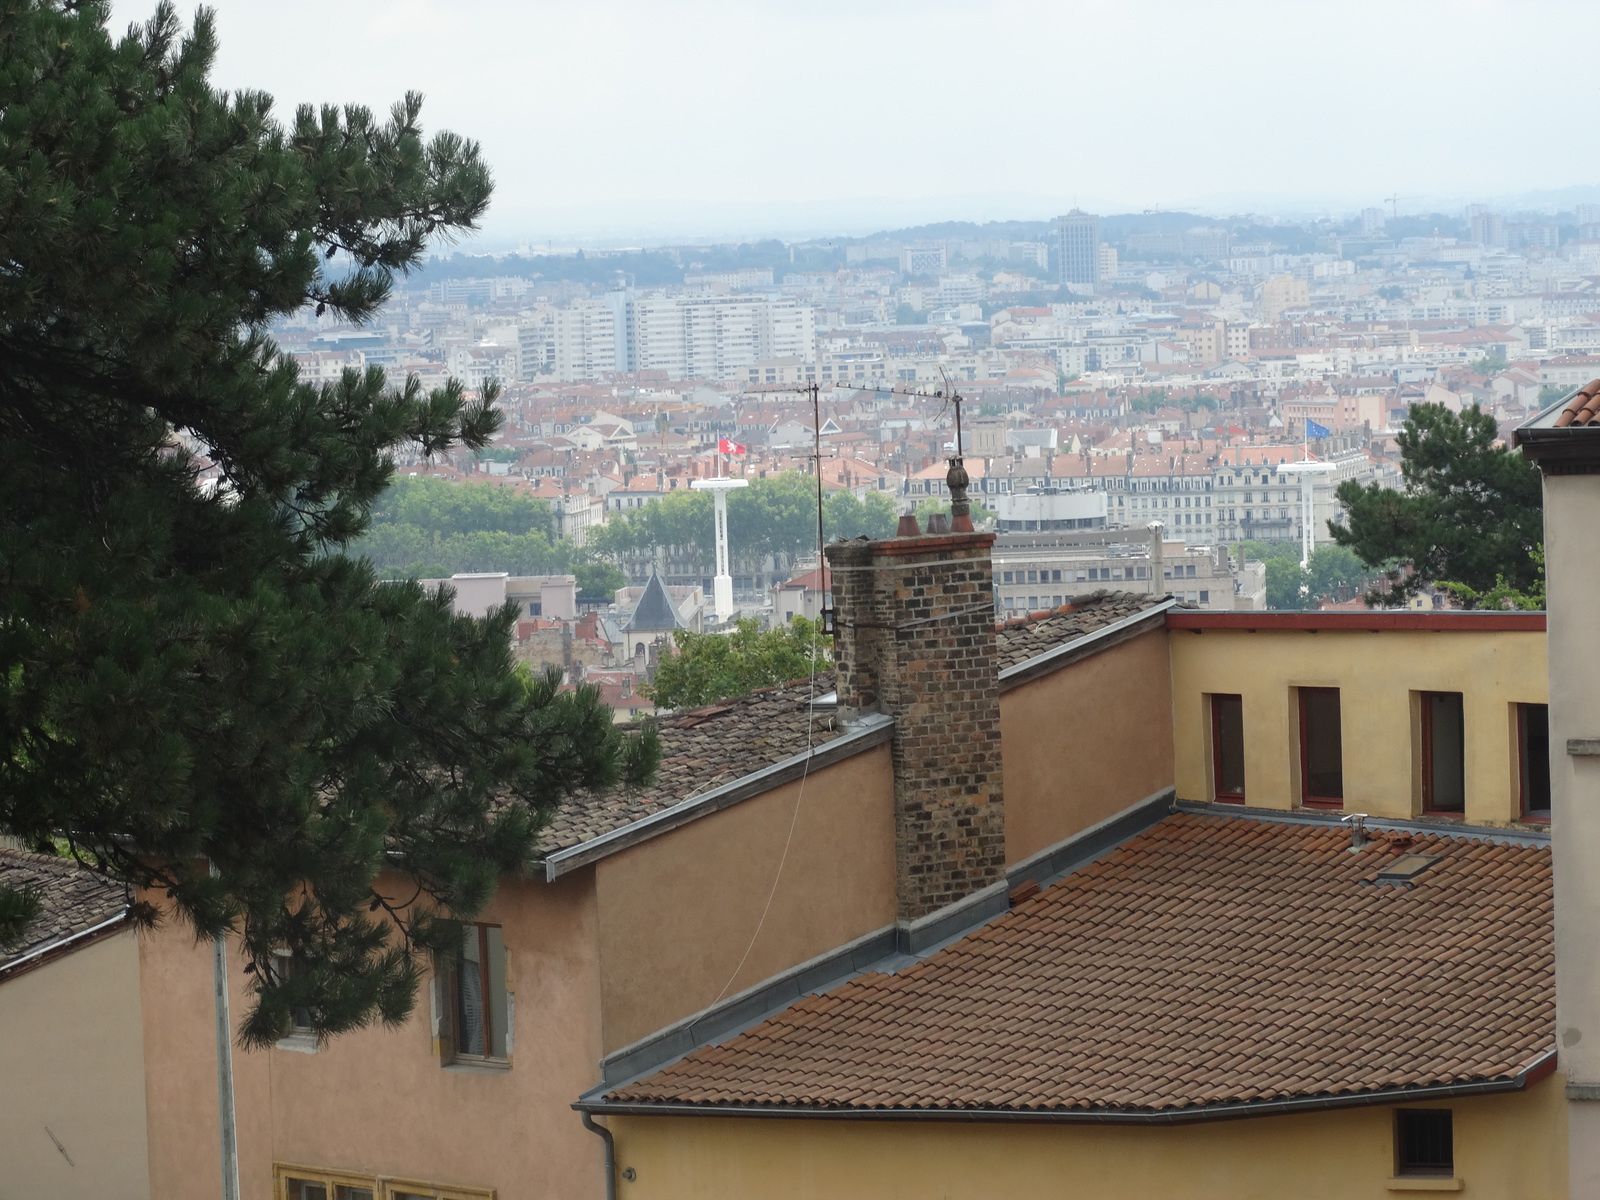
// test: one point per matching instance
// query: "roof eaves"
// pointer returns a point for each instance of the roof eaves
(1500, 835)
(886, 950)
(594, 1103)
(871, 729)
(40, 955)
(1069, 652)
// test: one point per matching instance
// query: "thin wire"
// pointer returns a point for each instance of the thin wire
(794, 821)
(811, 712)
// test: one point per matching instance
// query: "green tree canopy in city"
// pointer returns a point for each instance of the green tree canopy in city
(706, 667)
(776, 515)
(425, 528)
(1470, 511)
(1334, 573)
(201, 694)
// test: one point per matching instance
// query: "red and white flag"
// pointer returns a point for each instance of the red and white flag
(728, 446)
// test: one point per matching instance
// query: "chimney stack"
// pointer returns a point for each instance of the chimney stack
(915, 639)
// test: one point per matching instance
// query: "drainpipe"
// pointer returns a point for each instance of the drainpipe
(611, 1153)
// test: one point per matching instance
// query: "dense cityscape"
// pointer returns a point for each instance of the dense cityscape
(565, 666)
(1117, 373)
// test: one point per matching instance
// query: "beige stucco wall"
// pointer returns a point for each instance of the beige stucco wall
(377, 1101)
(71, 1065)
(1085, 742)
(677, 914)
(1573, 574)
(1376, 674)
(1510, 1146)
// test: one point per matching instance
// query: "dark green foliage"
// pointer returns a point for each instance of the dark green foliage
(598, 581)
(706, 667)
(647, 268)
(1470, 512)
(1335, 573)
(192, 675)
(18, 907)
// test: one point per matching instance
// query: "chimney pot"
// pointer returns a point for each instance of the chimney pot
(908, 526)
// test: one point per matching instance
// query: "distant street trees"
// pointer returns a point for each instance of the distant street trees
(1334, 573)
(773, 517)
(1470, 511)
(426, 528)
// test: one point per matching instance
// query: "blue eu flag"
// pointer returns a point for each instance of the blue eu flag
(1315, 429)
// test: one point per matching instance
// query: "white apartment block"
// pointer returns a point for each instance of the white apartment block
(687, 337)
(585, 337)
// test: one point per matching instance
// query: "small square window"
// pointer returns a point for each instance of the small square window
(1424, 1142)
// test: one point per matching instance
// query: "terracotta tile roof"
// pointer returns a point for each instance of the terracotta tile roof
(1022, 638)
(1582, 407)
(707, 747)
(72, 900)
(1209, 961)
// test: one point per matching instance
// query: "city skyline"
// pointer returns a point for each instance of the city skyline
(682, 130)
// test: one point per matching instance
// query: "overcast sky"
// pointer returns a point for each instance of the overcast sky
(606, 120)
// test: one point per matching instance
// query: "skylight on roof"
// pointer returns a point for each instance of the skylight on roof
(1406, 868)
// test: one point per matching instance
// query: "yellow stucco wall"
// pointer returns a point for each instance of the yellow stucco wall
(1511, 1147)
(1376, 673)
(1083, 743)
(378, 1101)
(72, 1066)
(677, 913)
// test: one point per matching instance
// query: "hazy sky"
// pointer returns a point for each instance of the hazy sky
(612, 120)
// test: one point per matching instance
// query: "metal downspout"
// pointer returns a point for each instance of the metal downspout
(611, 1153)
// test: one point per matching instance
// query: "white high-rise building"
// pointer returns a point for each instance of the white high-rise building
(708, 337)
(585, 341)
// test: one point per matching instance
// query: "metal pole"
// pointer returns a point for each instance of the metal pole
(816, 441)
(225, 1115)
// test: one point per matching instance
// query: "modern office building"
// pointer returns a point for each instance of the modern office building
(1079, 247)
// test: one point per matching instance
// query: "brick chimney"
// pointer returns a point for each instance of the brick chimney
(915, 639)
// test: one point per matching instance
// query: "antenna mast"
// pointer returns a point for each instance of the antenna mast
(956, 478)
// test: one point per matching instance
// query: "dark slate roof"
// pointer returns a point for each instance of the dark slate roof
(707, 747)
(701, 749)
(1025, 637)
(1210, 962)
(655, 612)
(72, 900)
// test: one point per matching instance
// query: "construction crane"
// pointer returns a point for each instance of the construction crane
(1394, 204)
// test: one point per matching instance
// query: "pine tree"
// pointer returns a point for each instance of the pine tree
(200, 693)
(1471, 511)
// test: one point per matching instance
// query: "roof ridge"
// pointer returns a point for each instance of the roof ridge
(68, 865)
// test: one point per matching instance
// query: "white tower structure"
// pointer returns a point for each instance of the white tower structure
(722, 585)
(1307, 470)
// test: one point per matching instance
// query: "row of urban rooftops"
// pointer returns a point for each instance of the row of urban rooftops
(714, 749)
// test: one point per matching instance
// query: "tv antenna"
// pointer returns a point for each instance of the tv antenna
(956, 478)
(812, 390)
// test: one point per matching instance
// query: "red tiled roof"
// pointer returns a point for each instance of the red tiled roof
(1582, 408)
(1210, 961)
